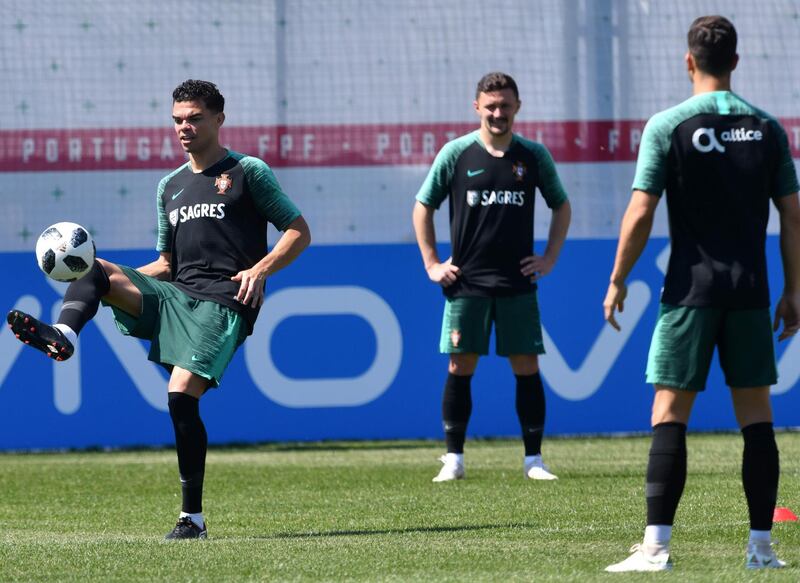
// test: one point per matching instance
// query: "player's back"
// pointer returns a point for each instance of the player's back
(722, 162)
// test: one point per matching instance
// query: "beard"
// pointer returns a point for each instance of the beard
(499, 127)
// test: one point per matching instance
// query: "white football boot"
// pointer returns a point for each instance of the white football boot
(762, 556)
(451, 470)
(644, 557)
(537, 470)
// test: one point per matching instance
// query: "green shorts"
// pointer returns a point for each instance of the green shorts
(200, 336)
(685, 337)
(467, 325)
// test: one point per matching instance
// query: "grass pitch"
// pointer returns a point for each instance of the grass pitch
(369, 512)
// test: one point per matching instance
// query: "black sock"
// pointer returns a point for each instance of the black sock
(191, 443)
(530, 411)
(82, 298)
(666, 472)
(760, 471)
(456, 409)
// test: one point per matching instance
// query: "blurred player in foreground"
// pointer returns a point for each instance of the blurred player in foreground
(199, 300)
(721, 161)
(491, 176)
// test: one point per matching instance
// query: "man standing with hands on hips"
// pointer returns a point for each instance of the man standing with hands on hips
(491, 176)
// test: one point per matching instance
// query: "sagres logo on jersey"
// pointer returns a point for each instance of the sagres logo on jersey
(493, 197)
(223, 183)
(197, 211)
(519, 171)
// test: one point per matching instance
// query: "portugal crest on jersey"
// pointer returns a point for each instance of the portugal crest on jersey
(519, 171)
(223, 183)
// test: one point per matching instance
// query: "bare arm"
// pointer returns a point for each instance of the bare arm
(442, 273)
(634, 233)
(559, 225)
(160, 268)
(788, 308)
(537, 266)
(294, 240)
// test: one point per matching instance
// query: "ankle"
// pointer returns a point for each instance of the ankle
(655, 549)
(68, 333)
(760, 537)
(658, 535)
(454, 458)
(196, 517)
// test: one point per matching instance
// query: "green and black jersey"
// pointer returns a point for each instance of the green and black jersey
(214, 224)
(491, 210)
(720, 160)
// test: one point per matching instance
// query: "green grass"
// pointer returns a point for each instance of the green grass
(369, 512)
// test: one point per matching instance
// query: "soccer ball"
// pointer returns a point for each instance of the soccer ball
(65, 251)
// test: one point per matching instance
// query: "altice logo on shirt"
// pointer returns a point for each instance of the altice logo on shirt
(710, 141)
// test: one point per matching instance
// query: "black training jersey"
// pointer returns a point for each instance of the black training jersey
(491, 210)
(214, 224)
(720, 160)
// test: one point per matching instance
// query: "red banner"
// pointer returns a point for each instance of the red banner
(312, 146)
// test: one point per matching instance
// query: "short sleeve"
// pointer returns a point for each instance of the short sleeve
(785, 180)
(438, 183)
(651, 165)
(164, 241)
(269, 198)
(549, 183)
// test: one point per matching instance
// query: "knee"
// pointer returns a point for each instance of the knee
(95, 279)
(671, 405)
(752, 406)
(183, 383)
(112, 274)
(661, 415)
(463, 364)
(524, 364)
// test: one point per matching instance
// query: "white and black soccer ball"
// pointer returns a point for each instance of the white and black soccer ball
(65, 251)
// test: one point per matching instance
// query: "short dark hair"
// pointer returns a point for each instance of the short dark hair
(205, 91)
(712, 43)
(496, 82)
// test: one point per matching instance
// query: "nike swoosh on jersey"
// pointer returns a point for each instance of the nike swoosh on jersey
(194, 358)
(471, 173)
(177, 194)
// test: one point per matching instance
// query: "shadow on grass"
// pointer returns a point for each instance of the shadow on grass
(410, 530)
(330, 446)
